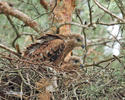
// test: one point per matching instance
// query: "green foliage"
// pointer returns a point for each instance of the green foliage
(104, 81)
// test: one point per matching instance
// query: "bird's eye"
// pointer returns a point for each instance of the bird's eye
(76, 61)
(79, 40)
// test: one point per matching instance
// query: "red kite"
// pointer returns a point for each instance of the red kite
(53, 48)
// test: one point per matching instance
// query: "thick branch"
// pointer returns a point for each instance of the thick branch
(8, 10)
(44, 4)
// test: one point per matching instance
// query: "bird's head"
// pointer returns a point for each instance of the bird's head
(76, 61)
(77, 39)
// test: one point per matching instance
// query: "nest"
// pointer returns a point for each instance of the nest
(22, 80)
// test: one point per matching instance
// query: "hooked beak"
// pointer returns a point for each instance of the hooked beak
(81, 65)
(83, 46)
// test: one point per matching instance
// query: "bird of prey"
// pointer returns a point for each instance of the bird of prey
(73, 63)
(53, 48)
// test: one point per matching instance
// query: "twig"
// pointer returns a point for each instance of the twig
(72, 23)
(90, 12)
(16, 31)
(103, 61)
(121, 6)
(34, 6)
(109, 24)
(107, 11)
(119, 60)
(10, 50)
(54, 6)
(85, 39)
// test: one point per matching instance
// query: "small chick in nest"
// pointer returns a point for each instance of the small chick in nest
(74, 63)
(71, 70)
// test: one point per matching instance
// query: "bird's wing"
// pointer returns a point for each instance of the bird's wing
(50, 37)
(46, 51)
(69, 45)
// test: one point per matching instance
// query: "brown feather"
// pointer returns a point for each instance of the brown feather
(47, 51)
(72, 64)
(51, 47)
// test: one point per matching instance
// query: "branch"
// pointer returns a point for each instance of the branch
(121, 6)
(8, 10)
(90, 11)
(109, 24)
(107, 11)
(72, 23)
(83, 31)
(14, 28)
(9, 50)
(44, 4)
(102, 61)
